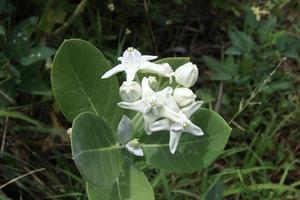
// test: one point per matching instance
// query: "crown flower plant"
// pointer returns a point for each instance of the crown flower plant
(153, 116)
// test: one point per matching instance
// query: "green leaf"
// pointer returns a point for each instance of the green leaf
(35, 54)
(215, 192)
(233, 51)
(19, 41)
(242, 41)
(36, 86)
(218, 68)
(266, 29)
(95, 150)
(77, 84)
(193, 153)
(131, 184)
(18, 115)
(174, 62)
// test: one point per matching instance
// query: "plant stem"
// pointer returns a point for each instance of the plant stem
(256, 91)
(79, 9)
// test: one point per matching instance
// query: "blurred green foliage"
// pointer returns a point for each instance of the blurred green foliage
(236, 45)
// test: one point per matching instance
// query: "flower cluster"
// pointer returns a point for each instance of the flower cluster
(166, 109)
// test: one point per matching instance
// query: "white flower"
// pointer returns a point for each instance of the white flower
(134, 147)
(133, 61)
(130, 91)
(178, 122)
(125, 137)
(151, 105)
(184, 96)
(186, 74)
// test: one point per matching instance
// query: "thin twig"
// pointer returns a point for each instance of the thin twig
(4, 136)
(79, 9)
(8, 98)
(256, 91)
(219, 99)
(238, 126)
(22, 176)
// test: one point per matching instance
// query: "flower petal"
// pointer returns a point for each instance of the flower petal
(125, 130)
(113, 71)
(167, 98)
(161, 125)
(148, 57)
(135, 150)
(189, 110)
(138, 106)
(130, 73)
(146, 89)
(172, 115)
(131, 57)
(164, 69)
(174, 140)
(149, 119)
(193, 129)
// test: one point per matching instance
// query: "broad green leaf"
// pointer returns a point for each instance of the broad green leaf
(131, 184)
(193, 152)
(174, 62)
(77, 84)
(95, 150)
(35, 54)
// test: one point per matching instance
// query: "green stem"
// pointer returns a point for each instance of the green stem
(79, 9)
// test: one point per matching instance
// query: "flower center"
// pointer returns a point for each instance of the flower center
(186, 124)
(130, 49)
(153, 102)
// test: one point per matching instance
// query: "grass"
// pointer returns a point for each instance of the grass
(261, 160)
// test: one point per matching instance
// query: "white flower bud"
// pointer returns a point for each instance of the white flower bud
(130, 91)
(184, 96)
(186, 74)
(153, 82)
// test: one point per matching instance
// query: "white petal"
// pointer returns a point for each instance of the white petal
(146, 89)
(138, 106)
(193, 129)
(189, 110)
(151, 67)
(130, 73)
(161, 125)
(125, 130)
(176, 126)
(113, 71)
(131, 55)
(149, 119)
(120, 59)
(164, 69)
(174, 140)
(172, 115)
(148, 57)
(164, 94)
(136, 150)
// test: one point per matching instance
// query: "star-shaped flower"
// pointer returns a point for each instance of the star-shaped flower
(177, 121)
(133, 61)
